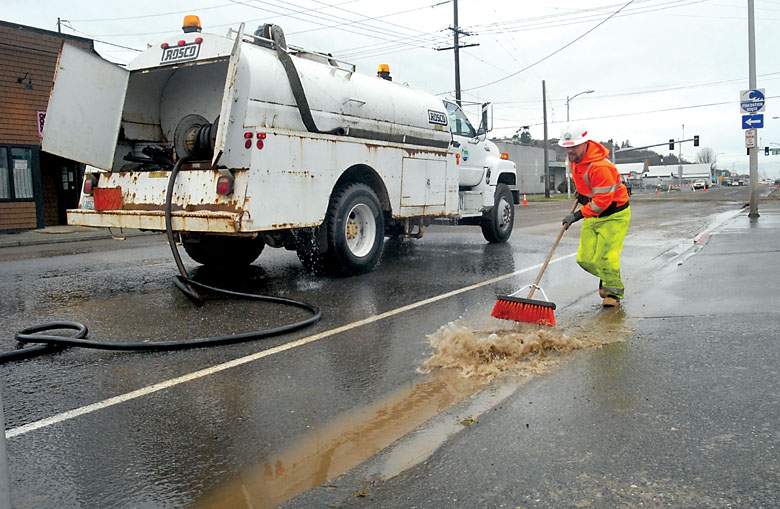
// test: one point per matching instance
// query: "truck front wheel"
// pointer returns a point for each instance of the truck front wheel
(356, 229)
(222, 250)
(497, 222)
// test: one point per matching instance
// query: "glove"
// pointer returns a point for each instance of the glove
(582, 199)
(571, 219)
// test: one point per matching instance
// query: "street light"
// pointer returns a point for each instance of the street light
(568, 177)
(569, 99)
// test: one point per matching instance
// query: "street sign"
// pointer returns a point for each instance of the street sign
(753, 121)
(750, 138)
(752, 101)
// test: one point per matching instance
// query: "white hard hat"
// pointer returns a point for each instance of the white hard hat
(573, 134)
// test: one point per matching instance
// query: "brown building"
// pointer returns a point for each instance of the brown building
(36, 188)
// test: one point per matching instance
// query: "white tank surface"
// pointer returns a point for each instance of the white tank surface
(341, 101)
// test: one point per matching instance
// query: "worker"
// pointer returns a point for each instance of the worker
(604, 200)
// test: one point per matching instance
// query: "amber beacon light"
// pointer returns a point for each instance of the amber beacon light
(191, 24)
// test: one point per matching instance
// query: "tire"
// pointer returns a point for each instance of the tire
(497, 223)
(354, 226)
(222, 250)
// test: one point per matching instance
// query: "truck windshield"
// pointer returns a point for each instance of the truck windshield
(459, 123)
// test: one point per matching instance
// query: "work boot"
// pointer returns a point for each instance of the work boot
(610, 302)
(602, 291)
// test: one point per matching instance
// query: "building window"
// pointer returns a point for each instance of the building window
(16, 180)
(5, 186)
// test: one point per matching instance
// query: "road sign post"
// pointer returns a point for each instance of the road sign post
(752, 101)
(755, 121)
(750, 138)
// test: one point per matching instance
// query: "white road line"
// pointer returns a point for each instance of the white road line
(88, 409)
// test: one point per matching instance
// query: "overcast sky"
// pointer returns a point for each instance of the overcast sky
(659, 69)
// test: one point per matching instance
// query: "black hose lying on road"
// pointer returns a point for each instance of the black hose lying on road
(53, 343)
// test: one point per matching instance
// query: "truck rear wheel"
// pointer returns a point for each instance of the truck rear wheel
(355, 229)
(222, 250)
(497, 223)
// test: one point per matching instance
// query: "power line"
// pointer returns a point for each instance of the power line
(189, 11)
(556, 51)
(647, 112)
(370, 30)
(578, 17)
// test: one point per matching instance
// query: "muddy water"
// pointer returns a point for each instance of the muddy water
(464, 360)
(520, 348)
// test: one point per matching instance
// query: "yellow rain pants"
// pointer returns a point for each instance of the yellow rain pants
(601, 242)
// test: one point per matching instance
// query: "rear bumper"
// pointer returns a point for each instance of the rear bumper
(201, 221)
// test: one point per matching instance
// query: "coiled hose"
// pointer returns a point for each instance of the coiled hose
(48, 343)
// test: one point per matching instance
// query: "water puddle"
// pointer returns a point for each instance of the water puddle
(342, 443)
(464, 360)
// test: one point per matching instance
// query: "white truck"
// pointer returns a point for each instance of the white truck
(269, 145)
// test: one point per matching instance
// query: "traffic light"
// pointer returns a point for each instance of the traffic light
(671, 144)
(696, 141)
(766, 151)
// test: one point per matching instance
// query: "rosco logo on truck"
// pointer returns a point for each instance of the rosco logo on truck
(273, 146)
(180, 53)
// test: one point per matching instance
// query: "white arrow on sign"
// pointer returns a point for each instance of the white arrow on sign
(751, 121)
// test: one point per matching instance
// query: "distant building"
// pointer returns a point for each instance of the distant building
(36, 188)
(530, 166)
(665, 175)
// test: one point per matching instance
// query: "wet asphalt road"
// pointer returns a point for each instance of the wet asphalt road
(176, 445)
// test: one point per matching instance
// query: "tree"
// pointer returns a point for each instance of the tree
(525, 136)
(707, 156)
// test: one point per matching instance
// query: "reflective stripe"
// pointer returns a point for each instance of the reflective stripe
(618, 291)
(609, 189)
(595, 208)
(585, 176)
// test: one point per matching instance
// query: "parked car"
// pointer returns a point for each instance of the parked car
(699, 184)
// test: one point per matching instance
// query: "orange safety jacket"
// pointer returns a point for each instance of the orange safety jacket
(598, 179)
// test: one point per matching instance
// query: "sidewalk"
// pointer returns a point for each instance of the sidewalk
(64, 233)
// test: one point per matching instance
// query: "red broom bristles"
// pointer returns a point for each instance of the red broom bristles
(525, 310)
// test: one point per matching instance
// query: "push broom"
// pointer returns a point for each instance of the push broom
(541, 312)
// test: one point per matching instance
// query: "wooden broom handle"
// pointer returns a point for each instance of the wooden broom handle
(549, 256)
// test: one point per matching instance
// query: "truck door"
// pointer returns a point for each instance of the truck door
(84, 114)
(471, 153)
(225, 114)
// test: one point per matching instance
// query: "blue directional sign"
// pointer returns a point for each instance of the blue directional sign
(753, 121)
(752, 101)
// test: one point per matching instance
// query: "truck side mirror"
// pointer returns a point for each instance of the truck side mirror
(486, 119)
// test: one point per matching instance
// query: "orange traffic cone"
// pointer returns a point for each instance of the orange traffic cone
(705, 189)
(525, 202)
(656, 190)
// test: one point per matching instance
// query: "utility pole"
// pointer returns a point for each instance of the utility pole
(752, 151)
(546, 160)
(456, 48)
(456, 31)
(679, 157)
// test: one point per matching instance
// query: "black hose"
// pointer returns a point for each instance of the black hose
(185, 288)
(53, 343)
